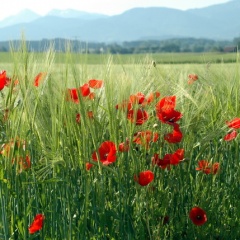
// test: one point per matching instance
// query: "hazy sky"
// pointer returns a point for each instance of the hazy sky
(109, 7)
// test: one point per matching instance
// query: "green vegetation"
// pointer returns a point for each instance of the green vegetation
(46, 146)
(159, 58)
(133, 47)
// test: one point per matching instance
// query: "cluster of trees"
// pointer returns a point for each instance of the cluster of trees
(170, 45)
(141, 46)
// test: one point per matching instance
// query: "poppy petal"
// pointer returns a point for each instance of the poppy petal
(198, 216)
(94, 83)
(235, 123)
(145, 177)
(230, 136)
(36, 224)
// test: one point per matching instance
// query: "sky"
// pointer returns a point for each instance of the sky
(108, 7)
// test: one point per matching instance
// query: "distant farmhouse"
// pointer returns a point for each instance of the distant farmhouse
(229, 49)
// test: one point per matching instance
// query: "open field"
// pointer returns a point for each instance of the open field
(136, 153)
(161, 58)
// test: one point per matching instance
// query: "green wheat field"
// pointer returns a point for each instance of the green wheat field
(119, 147)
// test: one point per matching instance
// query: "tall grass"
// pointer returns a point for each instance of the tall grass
(106, 202)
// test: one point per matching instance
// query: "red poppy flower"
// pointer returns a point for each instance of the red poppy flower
(36, 224)
(3, 79)
(150, 98)
(124, 146)
(207, 167)
(168, 102)
(157, 94)
(145, 137)
(94, 83)
(168, 159)
(162, 163)
(72, 95)
(139, 117)
(90, 114)
(88, 166)
(192, 78)
(177, 156)
(169, 116)
(137, 98)
(230, 136)
(24, 162)
(39, 78)
(144, 178)
(235, 123)
(165, 110)
(106, 153)
(203, 165)
(198, 216)
(85, 90)
(175, 136)
(215, 168)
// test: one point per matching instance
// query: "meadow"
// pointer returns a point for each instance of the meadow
(114, 147)
(162, 58)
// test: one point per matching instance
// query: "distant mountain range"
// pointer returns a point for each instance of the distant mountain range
(218, 22)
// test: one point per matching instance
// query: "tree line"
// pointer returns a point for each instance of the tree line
(133, 47)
